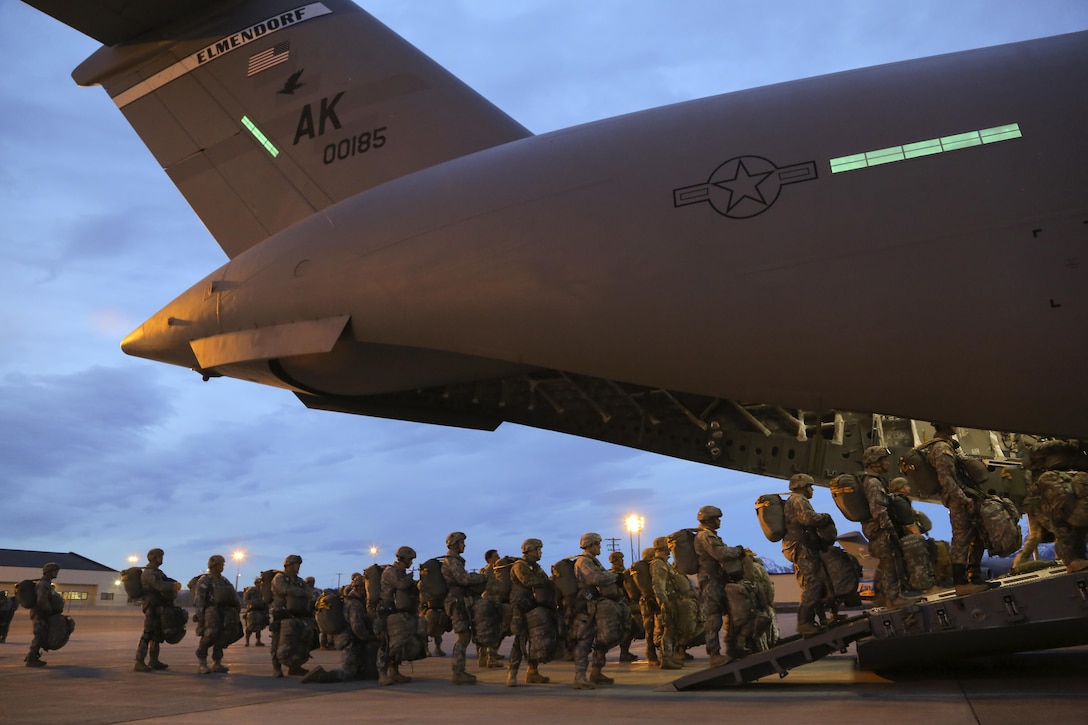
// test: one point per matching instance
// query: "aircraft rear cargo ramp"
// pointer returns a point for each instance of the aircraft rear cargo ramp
(1040, 610)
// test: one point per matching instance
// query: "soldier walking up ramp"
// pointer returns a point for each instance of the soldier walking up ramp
(1040, 610)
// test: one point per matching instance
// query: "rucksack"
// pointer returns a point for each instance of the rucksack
(771, 512)
(566, 583)
(844, 573)
(130, 578)
(502, 569)
(27, 594)
(372, 575)
(266, 585)
(922, 475)
(682, 546)
(432, 585)
(1001, 524)
(848, 492)
(329, 613)
(640, 574)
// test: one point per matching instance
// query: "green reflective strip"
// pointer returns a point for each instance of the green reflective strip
(261, 138)
(1000, 133)
(926, 148)
(922, 148)
(846, 163)
(884, 156)
(960, 141)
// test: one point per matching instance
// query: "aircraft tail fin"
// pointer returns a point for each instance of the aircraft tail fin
(263, 113)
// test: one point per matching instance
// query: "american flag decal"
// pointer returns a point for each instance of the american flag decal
(264, 60)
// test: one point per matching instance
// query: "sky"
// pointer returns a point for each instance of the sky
(108, 456)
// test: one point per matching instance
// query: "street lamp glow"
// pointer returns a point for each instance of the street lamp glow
(374, 553)
(635, 524)
(238, 556)
(132, 559)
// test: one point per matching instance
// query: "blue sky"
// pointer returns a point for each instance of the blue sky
(107, 455)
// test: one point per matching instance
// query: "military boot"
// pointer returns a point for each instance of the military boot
(297, 670)
(806, 622)
(203, 669)
(34, 660)
(218, 666)
(247, 640)
(718, 659)
(651, 654)
(394, 671)
(1076, 565)
(581, 683)
(155, 664)
(460, 677)
(599, 678)
(259, 642)
(533, 677)
(512, 677)
(668, 659)
(277, 671)
(385, 677)
(141, 666)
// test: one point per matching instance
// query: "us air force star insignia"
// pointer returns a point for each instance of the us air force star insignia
(744, 186)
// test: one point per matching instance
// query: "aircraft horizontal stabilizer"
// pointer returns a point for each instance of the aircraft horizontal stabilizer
(111, 23)
(265, 343)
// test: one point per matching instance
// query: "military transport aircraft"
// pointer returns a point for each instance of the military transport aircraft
(720, 280)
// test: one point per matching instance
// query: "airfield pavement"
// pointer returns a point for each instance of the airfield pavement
(91, 680)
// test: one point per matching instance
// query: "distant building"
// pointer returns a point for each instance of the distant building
(82, 582)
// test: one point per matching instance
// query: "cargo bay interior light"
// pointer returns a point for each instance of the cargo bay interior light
(925, 148)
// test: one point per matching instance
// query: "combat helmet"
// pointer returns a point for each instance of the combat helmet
(615, 556)
(530, 544)
(292, 559)
(801, 481)
(706, 513)
(873, 454)
(51, 566)
(406, 553)
(661, 543)
(589, 539)
(454, 538)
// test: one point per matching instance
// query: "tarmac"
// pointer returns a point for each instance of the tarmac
(90, 680)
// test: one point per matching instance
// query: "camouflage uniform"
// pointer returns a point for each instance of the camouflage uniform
(44, 607)
(527, 578)
(591, 575)
(801, 546)
(8, 605)
(618, 568)
(665, 601)
(396, 584)
(649, 609)
(459, 596)
(358, 645)
(256, 611)
(1069, 540)
(496, 611)
(880, 530)
(713, 556)
(158, 590)
(216, 600)
(967, 543)
(287, 585)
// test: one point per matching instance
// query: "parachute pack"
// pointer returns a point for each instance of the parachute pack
(58, 629)
(640, 575)
(1001, 524)
(502, 569)
(771, 512)
(682, 546)
(134, 588)
(849, 495)
(266, 585)
(372, 575)
(566, 583)
(329, 613)
(917, 562)
(26, 593)
(432, 585)
(916, 467)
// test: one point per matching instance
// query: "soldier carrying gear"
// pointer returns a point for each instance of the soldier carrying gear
(159, 590)
(664, 596)
(714, 558)
(802, 546)
(357, 642)
(881, 530)
(256, 611)
(640, 571)
(459, 600)
(591, 575)
(218, 623)
(291, 611)
(399, 598)
(531, 590)
(963, 512)
(618, 568)
(45, 606)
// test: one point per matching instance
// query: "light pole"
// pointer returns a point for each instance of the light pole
(374, 554)
(238, 557)
(635, 524)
